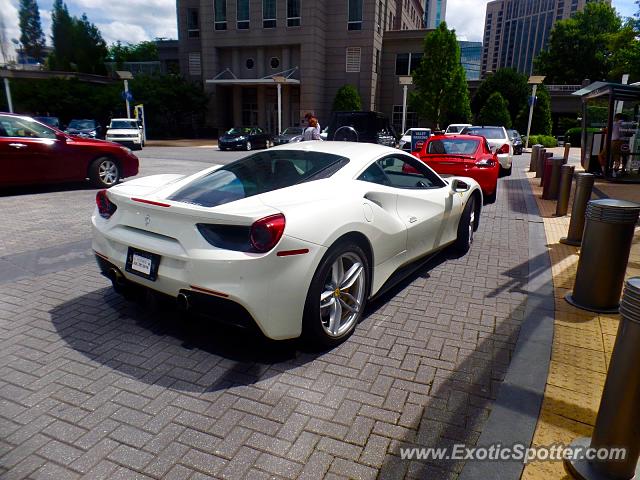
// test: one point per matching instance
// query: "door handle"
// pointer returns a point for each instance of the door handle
(413, 219)
(18, 145)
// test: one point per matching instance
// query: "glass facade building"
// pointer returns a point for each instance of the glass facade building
(434, 13)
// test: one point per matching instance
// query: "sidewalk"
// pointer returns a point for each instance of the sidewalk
(582, 341)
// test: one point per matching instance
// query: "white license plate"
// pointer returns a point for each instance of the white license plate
(141, 264)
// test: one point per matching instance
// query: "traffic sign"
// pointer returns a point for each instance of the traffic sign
(126, 95)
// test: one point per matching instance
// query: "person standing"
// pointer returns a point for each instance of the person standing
(308, 118)
(311, 132)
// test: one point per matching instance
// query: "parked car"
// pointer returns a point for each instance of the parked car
(245, 138)
(84, 128)
(126, 131)
(456, 128)
(466, 155)
(516, 141)
(288, 135)
(405, 140)
(33, 152)
(51, 121)
(294, 240)
(370, 127)
(498, 141)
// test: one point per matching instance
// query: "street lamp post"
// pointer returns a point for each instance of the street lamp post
(405, 81)
(126, 76)
(7, 90)
(279, 79)
(534, 80)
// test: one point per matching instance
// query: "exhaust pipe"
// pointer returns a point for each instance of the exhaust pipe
(183, 302)
(117, 279)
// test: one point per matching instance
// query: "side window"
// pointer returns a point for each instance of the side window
(25, 128)
(405, 172)
(374, 174)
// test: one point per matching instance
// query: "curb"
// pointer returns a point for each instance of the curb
(515, 412)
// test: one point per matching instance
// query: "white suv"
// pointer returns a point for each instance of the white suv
(126, 131)
(499, 142)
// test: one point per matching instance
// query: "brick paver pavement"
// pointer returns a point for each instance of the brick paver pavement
(94, 386)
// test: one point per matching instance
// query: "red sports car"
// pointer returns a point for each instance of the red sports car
(465, 155)
(32, 152)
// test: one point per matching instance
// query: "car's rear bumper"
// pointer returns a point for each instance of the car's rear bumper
(271, 288)
(505, 160)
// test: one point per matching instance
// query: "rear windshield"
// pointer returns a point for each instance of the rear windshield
(259, 173)
(457, 145)
(486, 132)
(82, 124)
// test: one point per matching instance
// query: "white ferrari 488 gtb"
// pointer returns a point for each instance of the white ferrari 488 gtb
(294, 239)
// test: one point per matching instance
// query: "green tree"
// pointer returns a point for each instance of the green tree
(495, 112)
(77, 43)
(31, 35)
(580, 47)
(347, 99)
(510, 84)
(541, 121)
(441, 95)
(137, 52)
(61, 37)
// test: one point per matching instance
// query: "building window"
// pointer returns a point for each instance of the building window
(406, 63)
(396, 118)
(195, 66)
(250, 63)
(275, 62)
(220, 14)
(376, 60)
(353, 59)
(193, 23)
(293, 13)
(355, 15)
(269, 14)
(242, 14)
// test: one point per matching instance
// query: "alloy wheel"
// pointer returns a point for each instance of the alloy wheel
(342, 298)
(108, 172)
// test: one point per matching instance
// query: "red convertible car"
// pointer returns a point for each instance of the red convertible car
(464, 155)
(32, 152)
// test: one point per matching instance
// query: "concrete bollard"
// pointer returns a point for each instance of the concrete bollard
(546, 156)
(567, 148)
(553, 183)
(540, 163)
(566, 178)
(533, 162)
(617, 420)
(584, 185)
(604, 255)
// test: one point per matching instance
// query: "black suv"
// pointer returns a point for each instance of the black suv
(369, 127)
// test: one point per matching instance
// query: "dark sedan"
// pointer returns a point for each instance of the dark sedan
(289, 134)
(516, 141)
(84, 128)
(244, 138)
(33, 152)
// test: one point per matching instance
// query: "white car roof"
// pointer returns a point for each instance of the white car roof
(124, 119)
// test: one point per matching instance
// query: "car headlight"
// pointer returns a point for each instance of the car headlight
(242, 138)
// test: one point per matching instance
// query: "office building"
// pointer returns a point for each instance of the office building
(516, 31)
(434, 13)
(241, 49)
(470, 58)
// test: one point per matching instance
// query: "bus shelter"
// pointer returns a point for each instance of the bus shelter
(603, 104)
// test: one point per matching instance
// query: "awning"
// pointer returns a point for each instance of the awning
(227, 77)
(618, 91)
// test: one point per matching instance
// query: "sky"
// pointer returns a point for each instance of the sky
(132, 21)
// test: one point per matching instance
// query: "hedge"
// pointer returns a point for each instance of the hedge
(546, 140)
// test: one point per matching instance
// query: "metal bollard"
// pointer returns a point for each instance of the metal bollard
(617, 420)
(566, 177)
(540, 164)
(567, 148)
(533, 162)
(606, 244)
(584, 185)
(552, 180)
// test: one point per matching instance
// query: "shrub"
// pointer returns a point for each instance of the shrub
(574, 135)
(347, 99)
(545, 140)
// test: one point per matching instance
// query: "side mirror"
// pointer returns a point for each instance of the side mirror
(62, 137)
(458, 186)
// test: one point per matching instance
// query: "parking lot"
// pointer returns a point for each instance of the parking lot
(95, 386)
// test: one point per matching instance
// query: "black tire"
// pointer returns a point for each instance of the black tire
(466, 227)
(104, 172)
(314, 327)
(505, 172)
(222, 149)
(491, 198)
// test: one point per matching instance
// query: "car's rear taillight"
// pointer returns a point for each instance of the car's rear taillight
(503, 149)
(105, 207)
(487, 163)
(266, 232)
